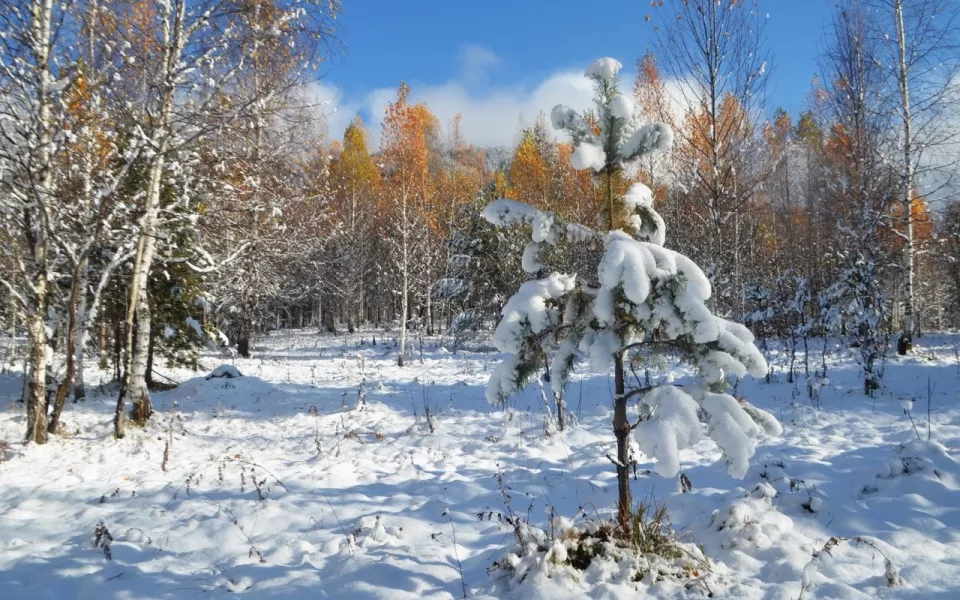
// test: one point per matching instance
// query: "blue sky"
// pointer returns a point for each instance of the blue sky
(499, 62)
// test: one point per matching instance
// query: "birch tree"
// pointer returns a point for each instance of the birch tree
(197, 51)
(917, 48)
(90, 221)
(31, 84)
(861, 188)
(405, 152)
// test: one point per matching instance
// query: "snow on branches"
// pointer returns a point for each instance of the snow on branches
(647, 299)
(622, 138)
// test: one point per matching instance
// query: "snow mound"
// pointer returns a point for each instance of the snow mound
(647, 139)
(919, 457)
(242, 393)
(676, 428)
(506, 212)
(225, 371)
(587, 560)
(918, 469)
(638, 195)
(532, 309)
(752, 522)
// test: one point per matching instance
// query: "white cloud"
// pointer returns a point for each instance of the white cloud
(492, 115)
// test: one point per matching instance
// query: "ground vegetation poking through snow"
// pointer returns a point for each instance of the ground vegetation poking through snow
(280, 466)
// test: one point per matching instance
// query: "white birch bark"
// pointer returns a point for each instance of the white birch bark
(404, 276)
(136, 349)
(903, 80)
(42, 18)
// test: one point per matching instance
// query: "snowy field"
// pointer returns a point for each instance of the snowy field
(279, 484)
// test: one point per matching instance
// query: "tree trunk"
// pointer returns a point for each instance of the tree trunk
(148, 376)
(79, 380)
(403, 315)
(429, 315)
(134, 380)
(404, 289)
(906, 337)
(73, 323)
(561, 411)
(102, 345)
(137, 343)
(243, 341)
(139, 367)
(41, 17)
(621, 428)
(37, 383)
(13, 327)
(89, 306)
(117, 353)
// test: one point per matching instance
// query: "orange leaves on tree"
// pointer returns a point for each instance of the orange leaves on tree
(463, 172)
(577, 199)
(530, 174)
(923, 225)
(650, 92)
(408, 130)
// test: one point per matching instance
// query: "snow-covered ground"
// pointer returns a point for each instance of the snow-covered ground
(279, 484)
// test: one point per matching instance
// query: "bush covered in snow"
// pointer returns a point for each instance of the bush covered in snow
(583, 555)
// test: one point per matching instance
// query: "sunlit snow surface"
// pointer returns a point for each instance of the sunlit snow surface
(327, 469)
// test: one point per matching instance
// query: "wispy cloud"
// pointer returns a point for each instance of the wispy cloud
(476, 62)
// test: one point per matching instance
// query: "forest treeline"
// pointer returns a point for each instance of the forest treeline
(165, 184)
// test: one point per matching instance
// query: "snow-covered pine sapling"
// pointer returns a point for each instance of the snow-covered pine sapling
(645, 298)
(858, 306)
(760, 318)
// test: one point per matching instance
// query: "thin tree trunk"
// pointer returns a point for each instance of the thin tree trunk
(73, 322)
(903, 78)
(79, 380)
(102, 345)
(117, 353)
(139, 389)
(561, 411)
(404, 288)
(621, 428)
(429, 315)
(243, 338)
(134, 381)
(13, 326)
(89, 307)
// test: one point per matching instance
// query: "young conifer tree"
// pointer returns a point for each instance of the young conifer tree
(646, 300)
